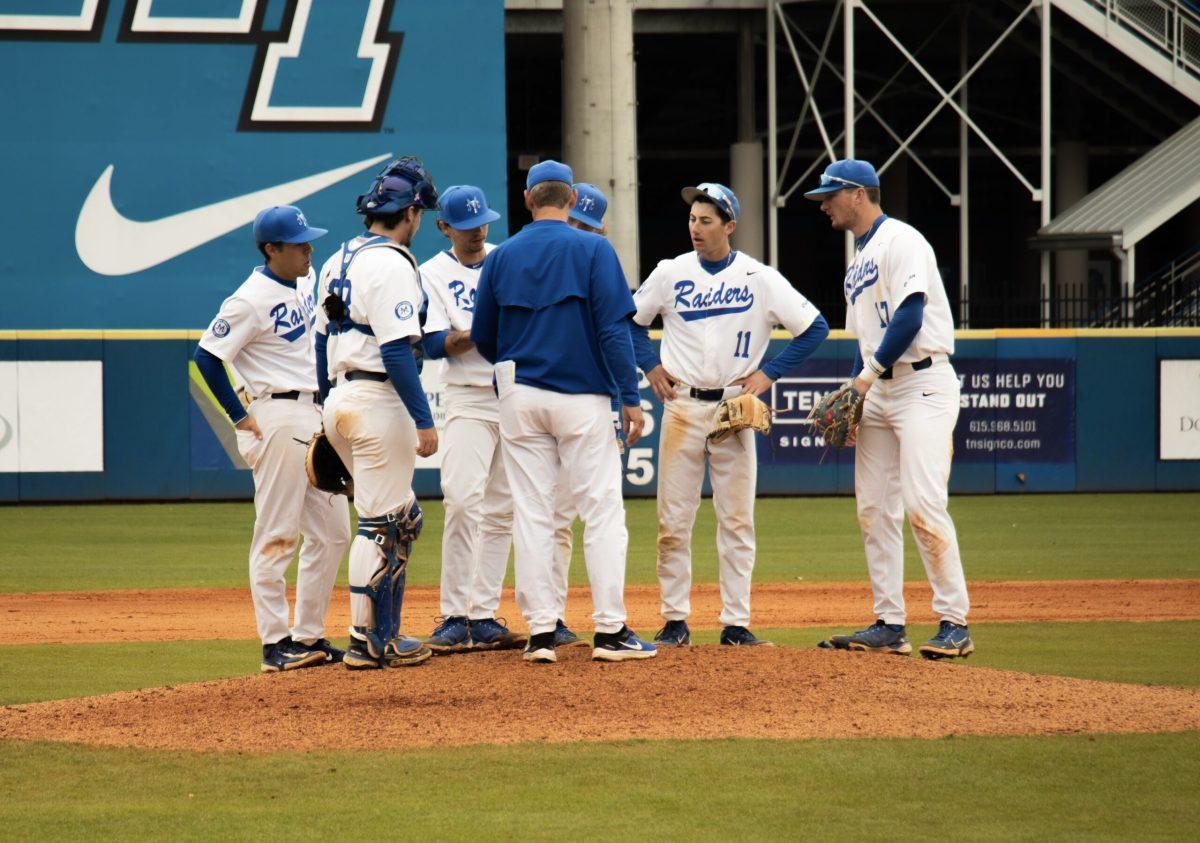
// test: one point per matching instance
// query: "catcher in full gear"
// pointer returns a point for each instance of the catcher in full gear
(718, 307)
(376, 415)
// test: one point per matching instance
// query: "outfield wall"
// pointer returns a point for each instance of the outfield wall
(123, 415)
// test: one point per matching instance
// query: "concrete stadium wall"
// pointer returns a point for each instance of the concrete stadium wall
(123, 415)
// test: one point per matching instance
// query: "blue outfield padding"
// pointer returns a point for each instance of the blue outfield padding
(1061, 412)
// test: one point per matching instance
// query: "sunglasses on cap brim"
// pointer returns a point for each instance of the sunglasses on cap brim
(717, 195)
(828, 180)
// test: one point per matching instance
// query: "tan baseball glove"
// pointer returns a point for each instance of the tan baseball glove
(739, 413)
(835, 418)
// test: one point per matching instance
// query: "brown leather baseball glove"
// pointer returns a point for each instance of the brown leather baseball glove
(738, 413)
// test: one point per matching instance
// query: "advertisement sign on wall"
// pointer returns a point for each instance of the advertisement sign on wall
(143, 137)
(1179, 410)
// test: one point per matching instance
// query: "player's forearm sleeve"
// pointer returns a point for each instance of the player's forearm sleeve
(212, 369)
(435, 345)
(798, 349)
(617, 348)
(484, 322)
(402, 370)
(902, 330)
(643, 349)
(320, 349)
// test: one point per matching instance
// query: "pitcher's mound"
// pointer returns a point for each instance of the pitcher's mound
(695, 692)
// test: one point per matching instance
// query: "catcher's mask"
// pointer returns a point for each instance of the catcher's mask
(403, 183)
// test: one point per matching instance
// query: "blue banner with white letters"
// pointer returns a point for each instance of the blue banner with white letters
(141, 137)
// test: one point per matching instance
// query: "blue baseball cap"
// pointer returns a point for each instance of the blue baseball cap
(848, 172)
(464, 207)
(719, 194)
(590, 207)
(548, 171)
(284, 224)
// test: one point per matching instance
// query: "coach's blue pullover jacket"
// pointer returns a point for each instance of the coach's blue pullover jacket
(554, 300)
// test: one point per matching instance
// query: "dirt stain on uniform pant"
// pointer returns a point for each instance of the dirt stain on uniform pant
(279, 547)
(932, 542)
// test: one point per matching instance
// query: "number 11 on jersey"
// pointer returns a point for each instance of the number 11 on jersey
(741, 348)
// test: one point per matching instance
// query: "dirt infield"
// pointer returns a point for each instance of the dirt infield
(199, 614)
(696, 692)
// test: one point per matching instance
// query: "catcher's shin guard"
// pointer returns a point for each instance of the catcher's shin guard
(394, 535)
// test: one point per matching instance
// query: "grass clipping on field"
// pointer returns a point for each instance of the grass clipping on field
(694, 692)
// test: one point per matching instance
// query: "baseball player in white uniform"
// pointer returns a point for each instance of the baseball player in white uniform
(718, 308)
(264, 330)
(896, 306)
(478, 527)
(377, 416)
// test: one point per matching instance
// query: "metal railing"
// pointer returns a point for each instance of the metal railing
(1170, 26)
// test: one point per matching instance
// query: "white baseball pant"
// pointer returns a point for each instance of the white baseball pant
(902, 464)
(285, 507)
(565, 513)
(544, 432)
(478, 529)
(733, 470)
(371, 430)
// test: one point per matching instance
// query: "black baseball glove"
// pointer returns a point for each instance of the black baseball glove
(835, 418)
(325, 468)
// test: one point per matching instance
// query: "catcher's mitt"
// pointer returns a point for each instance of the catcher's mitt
(739, 413)
(325, 468)
(835, 417)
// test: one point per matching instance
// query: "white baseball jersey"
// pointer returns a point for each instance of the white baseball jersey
(264, 331)
(382, 291)
(716, 327)
(895, 262)
(451, 289)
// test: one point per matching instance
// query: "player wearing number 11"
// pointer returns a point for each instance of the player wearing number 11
(718, 307)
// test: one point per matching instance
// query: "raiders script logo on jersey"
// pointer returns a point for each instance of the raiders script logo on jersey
(859, 278)
(464, 299)
(289, 324)
(721, 300)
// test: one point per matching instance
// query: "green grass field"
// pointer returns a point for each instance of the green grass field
(55, 548)
(1087, 786)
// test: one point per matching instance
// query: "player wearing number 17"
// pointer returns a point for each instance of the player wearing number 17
(718, 307)
(897, 308)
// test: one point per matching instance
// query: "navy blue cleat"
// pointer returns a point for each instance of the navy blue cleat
(540, 649)
(404, 651)
(452, 636)
(674, 634)
(621, 646)
(564, 637)
(739, 636)
(286, 654)
(333, 655)
(952, 641)
(491, 634)
(401, 651)
(879, 637)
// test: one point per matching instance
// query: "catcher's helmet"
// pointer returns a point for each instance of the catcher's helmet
(404, 182)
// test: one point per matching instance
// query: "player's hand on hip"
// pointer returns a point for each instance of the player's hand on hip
(662, 382)
(755, 384)
(861, 386)
(633, 422)
(251, 425)
(427, 441)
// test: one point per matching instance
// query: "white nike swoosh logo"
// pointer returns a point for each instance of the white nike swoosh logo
(109, 243)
